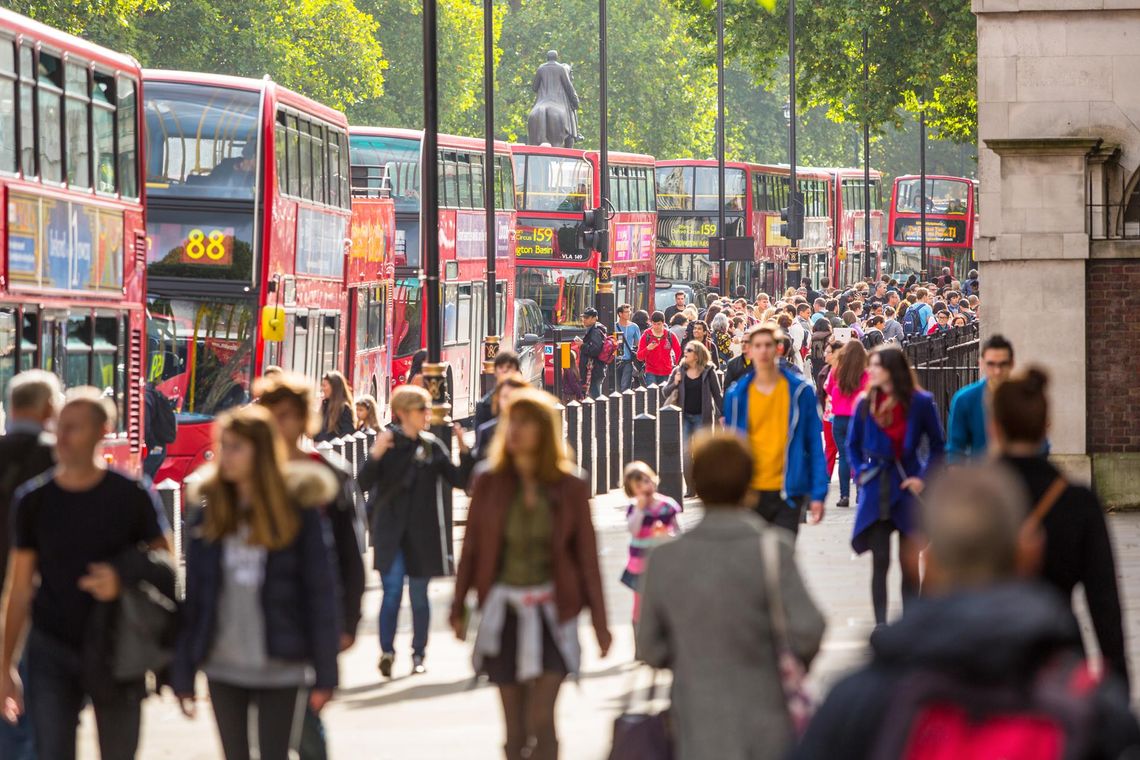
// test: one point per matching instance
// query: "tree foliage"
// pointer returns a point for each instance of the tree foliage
(921, 55)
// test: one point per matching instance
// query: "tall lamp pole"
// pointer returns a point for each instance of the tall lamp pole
(794, 274)
(491, 344)
(435, 372)
(724, 286)
(923, 264)
(870, 268)
(605, 296)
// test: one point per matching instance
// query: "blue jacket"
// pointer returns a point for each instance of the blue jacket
(805, 471)
(298, 599)
(966, 429)
(873, 463)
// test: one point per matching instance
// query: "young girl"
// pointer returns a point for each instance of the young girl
(652, 520)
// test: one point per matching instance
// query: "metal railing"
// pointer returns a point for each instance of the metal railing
(946, 362)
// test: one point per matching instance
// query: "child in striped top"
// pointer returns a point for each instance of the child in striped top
(652, 520)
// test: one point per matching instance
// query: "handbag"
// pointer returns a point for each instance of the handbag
(645, 735)
(793, 674)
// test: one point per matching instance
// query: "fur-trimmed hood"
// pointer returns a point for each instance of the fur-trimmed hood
(308, 483)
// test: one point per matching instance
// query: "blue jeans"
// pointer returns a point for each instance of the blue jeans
(16, 740)
(393, 583)
(839, 427)
(652, 379)
(625, 374)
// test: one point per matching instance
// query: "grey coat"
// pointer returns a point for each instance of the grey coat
(705, 616)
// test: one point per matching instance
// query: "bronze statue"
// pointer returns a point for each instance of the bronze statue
(554, 118)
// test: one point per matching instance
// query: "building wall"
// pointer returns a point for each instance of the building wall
(1058, 92)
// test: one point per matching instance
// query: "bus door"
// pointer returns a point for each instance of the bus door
(478, 333)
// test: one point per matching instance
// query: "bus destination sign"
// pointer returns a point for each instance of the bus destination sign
(938, 231)
(538, 239)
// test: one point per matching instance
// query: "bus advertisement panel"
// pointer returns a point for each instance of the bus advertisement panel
(72, 285)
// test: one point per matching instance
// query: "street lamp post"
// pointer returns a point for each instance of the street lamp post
(435, 372)
(721, 248)
(870, 270)
(605, 297)
(794, 274)
(922, 255)
(491, 344)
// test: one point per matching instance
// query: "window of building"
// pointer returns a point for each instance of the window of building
(7, 105)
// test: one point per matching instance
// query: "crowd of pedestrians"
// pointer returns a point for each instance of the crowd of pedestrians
(778, 397)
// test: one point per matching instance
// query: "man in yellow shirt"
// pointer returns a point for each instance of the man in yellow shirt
(776, 410)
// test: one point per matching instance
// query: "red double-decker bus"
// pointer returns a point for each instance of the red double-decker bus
(247, 219)
(848, 215)
(72, 282)
(553, 186)
(382, 156)
(369, 279)
(950, 223)
(754, 195)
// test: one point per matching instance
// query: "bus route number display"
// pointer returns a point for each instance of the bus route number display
(198, 245)
(937, 231)
(535, 243)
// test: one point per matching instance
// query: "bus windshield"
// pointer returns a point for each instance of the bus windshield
(561, 294)
(396, 159)
(552, 183)
(201, 351)
(201, 141)
(696, 187)
(943, 196)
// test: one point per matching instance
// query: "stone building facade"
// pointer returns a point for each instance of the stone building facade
(1058, 161)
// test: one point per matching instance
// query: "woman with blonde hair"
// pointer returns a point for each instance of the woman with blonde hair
(337, 418)
(409, 516)
(530, 554)
(260, 617)
(367, 418)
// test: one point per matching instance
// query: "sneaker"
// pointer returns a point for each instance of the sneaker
(386, 661)
(418, 668)
(844, 502)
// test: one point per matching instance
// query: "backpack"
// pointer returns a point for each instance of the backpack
(872, 338)
(162, 426)
(935, 715)
(609, 350)
(912, 322)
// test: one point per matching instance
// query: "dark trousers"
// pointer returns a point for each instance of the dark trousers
(313, 745)
(279, 716)
(625, 374)
(597, 377)
(56, 695)
(783, 514)
(16, 740)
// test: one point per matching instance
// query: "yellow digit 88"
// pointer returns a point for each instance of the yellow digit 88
(195, 245)
(216, 248)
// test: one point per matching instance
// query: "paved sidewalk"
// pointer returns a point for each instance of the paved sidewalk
(443, 715)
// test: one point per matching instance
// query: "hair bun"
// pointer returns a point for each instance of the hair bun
(1036, 379)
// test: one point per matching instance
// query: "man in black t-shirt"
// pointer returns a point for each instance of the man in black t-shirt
(72, 526)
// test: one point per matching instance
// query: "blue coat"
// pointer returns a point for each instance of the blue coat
(873, 463)
(966, 429)
(298, 600)
(805, 471)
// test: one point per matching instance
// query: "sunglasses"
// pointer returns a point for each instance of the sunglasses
(689, 351)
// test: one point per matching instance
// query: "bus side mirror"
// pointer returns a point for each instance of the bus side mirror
(273, 324)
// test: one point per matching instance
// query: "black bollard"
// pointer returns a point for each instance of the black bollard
(586, 439)
(639, 397)
(359, 450)
(331, 448)
(627, 401)
(645, 439)
(602, 440)
(170, 494)
(669, 453)
(617, 440)
(573, 428)
(369, 442)
(561, 412)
